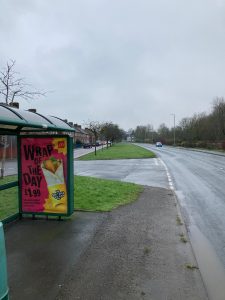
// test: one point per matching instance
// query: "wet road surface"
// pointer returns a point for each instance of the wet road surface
(199, 182)
(149, 172)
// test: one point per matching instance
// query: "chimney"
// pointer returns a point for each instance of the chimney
(33, 110)
(14, 104)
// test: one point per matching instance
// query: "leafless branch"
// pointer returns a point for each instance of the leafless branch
(12, 87)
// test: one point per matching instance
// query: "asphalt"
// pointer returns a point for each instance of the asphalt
(213, 152)
(133, 252)
(148, 171)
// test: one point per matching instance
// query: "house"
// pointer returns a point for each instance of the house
(90, 135)
(81, 136)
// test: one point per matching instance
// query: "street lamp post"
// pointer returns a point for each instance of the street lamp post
(174, 133)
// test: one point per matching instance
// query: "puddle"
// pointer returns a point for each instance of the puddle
(212, 270)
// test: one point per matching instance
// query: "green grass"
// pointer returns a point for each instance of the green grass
(119, 151)
(179, 222)
(91, 194)
(8, 198)
(191, 267)
(183, 238)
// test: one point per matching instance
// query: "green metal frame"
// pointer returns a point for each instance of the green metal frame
(9, 185)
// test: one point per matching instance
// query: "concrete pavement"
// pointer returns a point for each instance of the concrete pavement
(149, 171)
(133, 252)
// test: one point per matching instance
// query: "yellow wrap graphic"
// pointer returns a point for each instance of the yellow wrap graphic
(57, 198)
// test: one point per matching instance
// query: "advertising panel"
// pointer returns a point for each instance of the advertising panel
(44, 164)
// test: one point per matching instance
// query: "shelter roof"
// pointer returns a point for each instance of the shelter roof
(13, 120)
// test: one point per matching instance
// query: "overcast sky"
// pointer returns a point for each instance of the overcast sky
(132, 62)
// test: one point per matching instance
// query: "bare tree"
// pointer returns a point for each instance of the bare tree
(13, 86)
(95, 128)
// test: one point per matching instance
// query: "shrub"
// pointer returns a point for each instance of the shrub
(187, 144)
(201, 144)
(223, 145)
(210, 145)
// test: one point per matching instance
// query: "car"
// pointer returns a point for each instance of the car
(158, 144)
(87, 145)
(97, 144)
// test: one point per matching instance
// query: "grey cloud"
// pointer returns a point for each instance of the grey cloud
(131, 62)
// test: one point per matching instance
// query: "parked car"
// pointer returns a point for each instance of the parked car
(158, 144)
(97, 144)
(87, 145)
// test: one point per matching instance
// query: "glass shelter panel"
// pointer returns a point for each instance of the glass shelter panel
(58, 122)
(8, 115)
(8, 154)
(32, 117)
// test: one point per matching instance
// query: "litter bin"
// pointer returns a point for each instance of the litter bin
(3, 271)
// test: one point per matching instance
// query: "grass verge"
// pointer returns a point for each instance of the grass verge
(94, 194)
(90, 194)
(8, 198)
(119, 151)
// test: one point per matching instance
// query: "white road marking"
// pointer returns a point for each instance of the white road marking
(168, 174)
(156, 161)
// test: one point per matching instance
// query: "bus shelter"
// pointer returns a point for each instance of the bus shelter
(45, 181)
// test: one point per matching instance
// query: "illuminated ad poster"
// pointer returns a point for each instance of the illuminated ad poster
(44, 175)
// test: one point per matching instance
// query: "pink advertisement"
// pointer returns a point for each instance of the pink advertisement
(44, 171)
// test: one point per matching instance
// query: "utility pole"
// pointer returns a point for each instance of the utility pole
(174, 133)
